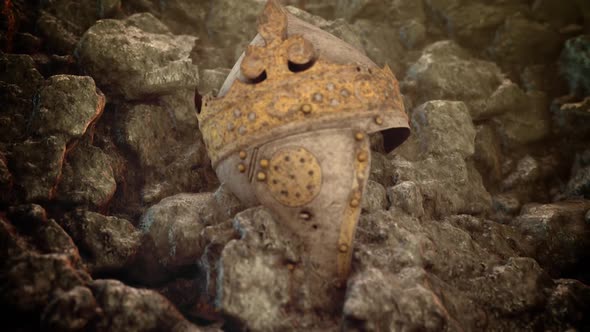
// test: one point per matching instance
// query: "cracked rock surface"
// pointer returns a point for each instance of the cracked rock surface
(112, 219)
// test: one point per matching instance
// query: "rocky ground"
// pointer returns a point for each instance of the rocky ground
(111, 218)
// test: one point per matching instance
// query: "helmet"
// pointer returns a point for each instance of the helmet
(289, 130)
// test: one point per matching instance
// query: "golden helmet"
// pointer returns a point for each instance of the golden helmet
(289, 130)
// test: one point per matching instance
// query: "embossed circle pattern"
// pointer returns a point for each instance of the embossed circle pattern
(294, 176)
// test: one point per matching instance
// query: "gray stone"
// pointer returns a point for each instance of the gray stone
(379, 10)
(174, 226)
(87, 178)
(579, 183)
(108, 244)
(20, 70)
(574, 64)
(521, 41)
(6, 181)
(32, 279)
(72, 310)
(559, 234)
(556, 13)
(462, 273)
(126, 308)
(168, 146)
(505, 206)
(444, 128)
(228, 203)
(67, 106)
(445, 72)
(38, 165)
(139, 63)
(488, 154)
(212, 80)
(527, 171)
(448, 184)
(412, 34)
(375, 197)
(571, 117)
(474, 24)
(526, 125)
(567, 305)
(406, 196)
(382, 44)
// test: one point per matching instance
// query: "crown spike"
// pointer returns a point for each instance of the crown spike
(272, 24)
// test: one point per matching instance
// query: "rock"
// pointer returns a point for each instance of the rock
(555, 13)
(62, 23)
(72, 310)
(571, 118)
(558, 233)
(412, 34)
(139, 63)
(233, 23)
(374, 198)
(382, 44)
(527, 171)
(505, 207)
(168, 146)
(404, 268)
(87, 178)
(37, 165)
(407, 196)
(258, 273)
(108, 244)
(57, 34)
(378, 10)
(174, 226)
(6, 182)
(574, 64)
(579, 183)
(130, 309)
(16, 109)
(31, 280)
(474, 24)
(68, 105)
(212, 80)
(530, 124)
(521, 41)
(488, 154)
(567, 305)
(445, 72)
(444, 128)
(20, 70)
(227, 202)
(448, 184)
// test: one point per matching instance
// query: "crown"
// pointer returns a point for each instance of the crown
(286, 87)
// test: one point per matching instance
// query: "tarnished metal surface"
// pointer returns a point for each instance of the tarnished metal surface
(289, 130)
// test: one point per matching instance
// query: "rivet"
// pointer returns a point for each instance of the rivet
(305, 215)
(343, 247)
(330, 86)
(344, 93)
(230, 126)
(252, 116)
(243, 155)
(318, 97)
(242, 130)
(359, 136)
(261, 176)
(264, 163)
(237, 113)
(241, 168)
(378, 120)
(362, 156)
(291, 267)
(354, 202)
(306, 108)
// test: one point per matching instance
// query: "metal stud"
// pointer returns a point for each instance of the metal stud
(243, 155)
(306, 108)
(343, 247)
(378, 120)
(264, 163)
(261, 176)
(359, 136)
(362, 156)
(241, 168)
(354, 202)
